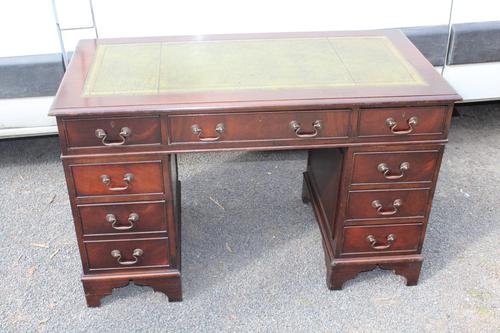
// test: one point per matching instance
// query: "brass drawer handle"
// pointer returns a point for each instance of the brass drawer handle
(118, 256)
(132, 218)
(412, 122)
(196, 129)
(384, 169)
(391, 238)
(125, 132)
(381, 211)
(127, 178)
(296, 127)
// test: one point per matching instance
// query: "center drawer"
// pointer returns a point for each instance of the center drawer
(127, 254)
(298, 125)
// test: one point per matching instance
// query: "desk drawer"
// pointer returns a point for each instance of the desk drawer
(127, 254)
(144, 177)
(123, 218)
(299, 125)
(112, 132)
(395, 166)
(402, 122)
(388, 204)
(382, 239)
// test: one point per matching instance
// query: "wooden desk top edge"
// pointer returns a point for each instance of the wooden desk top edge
(69, 100)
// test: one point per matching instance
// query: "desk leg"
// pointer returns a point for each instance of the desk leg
(341, 271)
(97, 287)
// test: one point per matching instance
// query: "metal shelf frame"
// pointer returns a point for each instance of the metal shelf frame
(61, 30)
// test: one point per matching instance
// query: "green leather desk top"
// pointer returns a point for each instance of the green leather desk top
(264, 71)
(153, 68)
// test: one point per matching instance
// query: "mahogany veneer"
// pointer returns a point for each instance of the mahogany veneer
(81, 132)
(122, 218)
(373, 113)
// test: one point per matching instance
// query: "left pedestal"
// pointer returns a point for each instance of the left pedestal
(126, 210)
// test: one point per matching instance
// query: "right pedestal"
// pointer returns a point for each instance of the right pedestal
(372, 206)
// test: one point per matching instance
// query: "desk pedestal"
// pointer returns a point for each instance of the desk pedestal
(371, 222)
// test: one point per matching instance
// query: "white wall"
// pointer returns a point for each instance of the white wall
(465, 11)
(27, 26)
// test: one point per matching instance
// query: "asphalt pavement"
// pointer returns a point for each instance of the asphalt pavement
(252, 256)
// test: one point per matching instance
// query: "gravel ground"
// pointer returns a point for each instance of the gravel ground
(257, 264)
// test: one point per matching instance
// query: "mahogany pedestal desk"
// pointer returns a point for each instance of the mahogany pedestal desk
(372, 112)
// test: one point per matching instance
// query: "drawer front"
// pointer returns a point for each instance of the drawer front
(402, 122)
(257, 126)
(123, 218)
(113, 132)
(127, 254)
(118, 178)
(395, 166)
(382, 239)
(388, 204)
